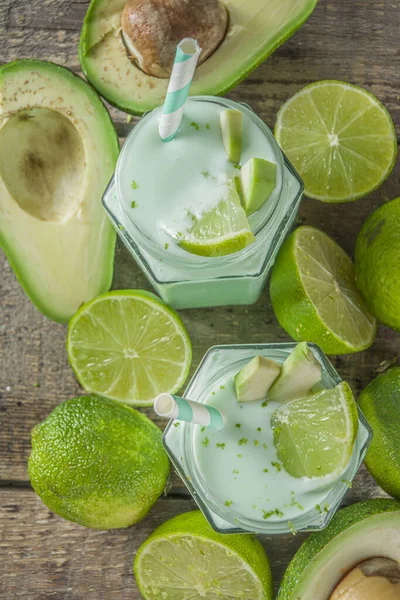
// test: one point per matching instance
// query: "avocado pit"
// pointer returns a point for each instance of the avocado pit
(151, 30)
(42, 163)
(374, 579)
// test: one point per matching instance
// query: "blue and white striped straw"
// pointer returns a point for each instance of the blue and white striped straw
(187, 54)
(174, 407)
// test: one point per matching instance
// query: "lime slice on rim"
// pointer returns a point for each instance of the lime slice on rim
(129, 346)
(184, 559)
(340, 138)
(314, 436)
(314, 295)
(221, 230)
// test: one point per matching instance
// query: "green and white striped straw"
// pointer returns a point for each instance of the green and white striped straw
(174, 407)
(187, 54)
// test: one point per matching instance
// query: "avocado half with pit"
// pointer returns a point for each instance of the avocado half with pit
(58, 150)
(363, 531)
(127, 46)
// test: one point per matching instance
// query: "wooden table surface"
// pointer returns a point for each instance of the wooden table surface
(41, 555)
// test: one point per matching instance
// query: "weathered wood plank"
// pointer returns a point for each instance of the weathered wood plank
(48, 557)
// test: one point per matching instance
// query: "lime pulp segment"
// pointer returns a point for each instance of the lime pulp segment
(184, 559)
(221, 230)
(315, 297)
(314, 436)
(129, 346)
(339, 137)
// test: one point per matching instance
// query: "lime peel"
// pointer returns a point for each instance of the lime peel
(130, 346)
(314, 294)
(193, 560)
(340, 138)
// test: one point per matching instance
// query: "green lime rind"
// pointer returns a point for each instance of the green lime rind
(221, 230)
(243, 555)
(340, 138)
(314, 436)
(116, 357)
(98, 463)
(380, 403)
(376, 256)
(222, 247)
(296, 311)
(318, 548)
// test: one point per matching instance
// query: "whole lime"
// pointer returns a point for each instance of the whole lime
(98, 462)
(380, 403)
(377, 261)
(184, 558)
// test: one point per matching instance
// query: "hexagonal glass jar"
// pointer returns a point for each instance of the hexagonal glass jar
(219, 363)
(192, 281)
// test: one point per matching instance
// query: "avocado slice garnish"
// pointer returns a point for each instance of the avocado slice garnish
(258, 181)
(255, 378)
(252, 35)
(58, 150)
(231, 121)
(361, 531)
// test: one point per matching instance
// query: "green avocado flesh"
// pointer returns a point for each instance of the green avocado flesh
(58, 150)
(364, 530)
(256, 29)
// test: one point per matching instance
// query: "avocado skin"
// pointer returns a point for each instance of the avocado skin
(309, 550)
(84, 88)
(140, 105)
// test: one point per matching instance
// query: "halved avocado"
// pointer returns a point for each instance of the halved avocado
(58, 150)
(359, 532)
(256, 28)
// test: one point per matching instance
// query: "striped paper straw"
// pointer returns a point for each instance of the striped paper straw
(174, 407)
(187, 54)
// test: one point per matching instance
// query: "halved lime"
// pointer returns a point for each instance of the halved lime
(314, 295)
(130, 346)
(314, 436)
(340, 138)
(221, 230)
(185, 559)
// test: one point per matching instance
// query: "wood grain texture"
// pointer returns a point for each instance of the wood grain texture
(46, 557)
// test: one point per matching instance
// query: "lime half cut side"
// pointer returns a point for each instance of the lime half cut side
(185, 559)
(221, 230)
(129, 346)
(314, 294)
(340, 138)
(314, 436)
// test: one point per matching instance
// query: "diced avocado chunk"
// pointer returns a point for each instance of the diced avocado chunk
(232, 133)
(299, 373)
(106, 63)
(58, 150)
(258, 181)
(254, 380)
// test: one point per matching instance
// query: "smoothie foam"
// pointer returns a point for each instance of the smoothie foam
(165, 184)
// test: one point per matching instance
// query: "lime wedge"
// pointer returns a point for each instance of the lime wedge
(314, 436)
(221, 230)
(314, 295)
(340, 138)
(185, 559)
(129, 346)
